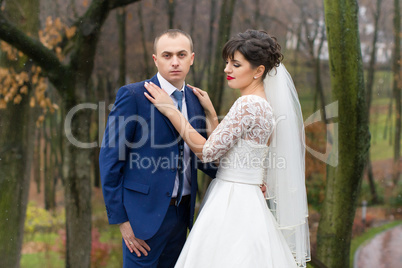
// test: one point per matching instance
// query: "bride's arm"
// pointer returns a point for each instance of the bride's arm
(210, 113)
(225, 135)
(165, 105)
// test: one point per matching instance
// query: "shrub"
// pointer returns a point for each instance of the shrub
(100, 252)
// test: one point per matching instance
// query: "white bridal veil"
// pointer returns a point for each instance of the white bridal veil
(286, 191)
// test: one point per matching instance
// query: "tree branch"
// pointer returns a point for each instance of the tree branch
(89, 26)
(119, 3)
(31, 47)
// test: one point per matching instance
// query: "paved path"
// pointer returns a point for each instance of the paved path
(383, 251)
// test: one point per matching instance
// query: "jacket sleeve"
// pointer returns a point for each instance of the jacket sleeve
(118, 134)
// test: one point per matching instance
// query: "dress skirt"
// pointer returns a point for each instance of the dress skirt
(235, 228)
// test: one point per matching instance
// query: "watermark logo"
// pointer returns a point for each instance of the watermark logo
(330, 156)
(114, 131)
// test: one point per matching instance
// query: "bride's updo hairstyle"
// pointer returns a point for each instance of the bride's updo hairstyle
(257, 47)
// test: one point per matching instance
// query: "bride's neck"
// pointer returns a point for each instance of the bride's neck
(253, 89)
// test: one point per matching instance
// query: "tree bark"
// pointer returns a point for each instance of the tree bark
(171, 6)
(388, 121)
(369, 93)
(36, 161)
(212, 18)
(206, 66)
(16, 153)
(121, 25)
(194, 73)
(216, 84)
(16, 142)
(257, 15)
(49, 183)
(143, 41)
(397, 90)
(343, 181)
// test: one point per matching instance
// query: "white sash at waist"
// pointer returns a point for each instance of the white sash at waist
(245, 176)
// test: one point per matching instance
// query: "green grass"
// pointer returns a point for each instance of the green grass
(48, 238)
(368, 235)
(49, 259)
(110, 233)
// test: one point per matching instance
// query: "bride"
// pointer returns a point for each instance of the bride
(260, 141)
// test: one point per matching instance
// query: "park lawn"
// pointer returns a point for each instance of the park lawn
(46, 259)
(48, 238)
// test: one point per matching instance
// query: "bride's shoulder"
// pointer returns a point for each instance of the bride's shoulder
(251, 99)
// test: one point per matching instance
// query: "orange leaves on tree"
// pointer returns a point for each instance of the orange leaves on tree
(14, 85)
(70, 32)
(315, 168)
(51, 36)
(316, 140)
(3, 104)
(11, 52)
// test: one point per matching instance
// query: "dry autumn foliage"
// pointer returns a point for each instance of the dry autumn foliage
(16, 84)
(316, 168)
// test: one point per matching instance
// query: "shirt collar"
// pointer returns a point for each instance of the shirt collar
(166, 86)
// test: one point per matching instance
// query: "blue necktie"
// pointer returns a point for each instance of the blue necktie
(179, 97)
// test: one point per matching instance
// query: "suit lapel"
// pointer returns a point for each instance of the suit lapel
(190, 100)
(155, 80)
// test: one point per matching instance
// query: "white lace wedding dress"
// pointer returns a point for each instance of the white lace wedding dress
(235, 227)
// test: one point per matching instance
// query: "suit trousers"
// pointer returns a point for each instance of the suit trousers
(166, 244)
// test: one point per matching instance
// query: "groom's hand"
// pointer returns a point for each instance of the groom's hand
(134, 244)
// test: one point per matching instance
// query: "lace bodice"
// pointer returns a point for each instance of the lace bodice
(245, 130)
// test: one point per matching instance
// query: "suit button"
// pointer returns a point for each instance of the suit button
(169, 194)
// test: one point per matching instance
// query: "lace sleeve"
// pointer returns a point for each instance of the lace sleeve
(247, 119)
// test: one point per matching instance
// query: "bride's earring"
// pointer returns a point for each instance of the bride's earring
(255, 77)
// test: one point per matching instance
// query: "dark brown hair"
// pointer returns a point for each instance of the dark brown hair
(257, 47)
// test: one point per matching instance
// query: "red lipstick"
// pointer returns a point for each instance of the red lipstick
(229, 77)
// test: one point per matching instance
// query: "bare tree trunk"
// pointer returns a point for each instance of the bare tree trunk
(216, 86)
(50, 201)
(153, 19)
(16, 149)
(16, 142)
(212, 19)
(121, 25)
(369, 93)
(388, 121)
(36, 160)
(343, 181)
(296, 53)
(397, 90)
(194, 74)
(257, 15)
(171, 6)
(207, 64)
(370, 177)
(143, 41)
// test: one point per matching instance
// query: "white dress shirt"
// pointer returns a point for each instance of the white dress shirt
(169, 88)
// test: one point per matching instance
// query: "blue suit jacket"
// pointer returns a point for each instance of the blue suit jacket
(138, 160)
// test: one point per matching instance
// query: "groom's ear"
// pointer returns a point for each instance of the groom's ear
(192, 58)
(155, 60)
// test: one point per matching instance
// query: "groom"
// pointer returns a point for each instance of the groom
(149, 177)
